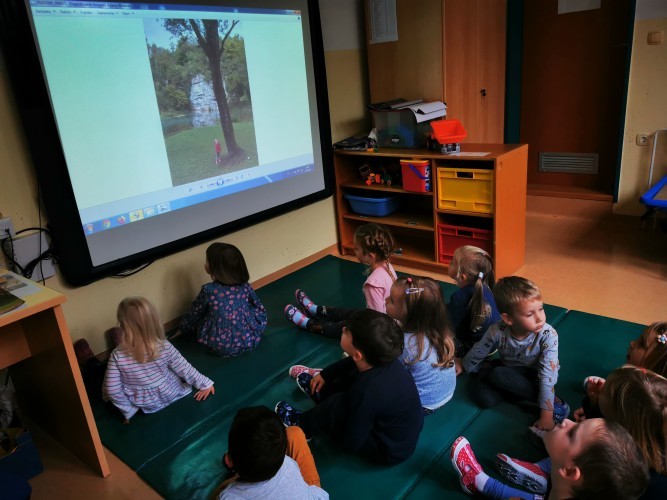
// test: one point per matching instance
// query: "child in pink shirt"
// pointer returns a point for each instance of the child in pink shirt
(373, 245)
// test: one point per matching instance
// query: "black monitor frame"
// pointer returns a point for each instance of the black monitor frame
(55, 187)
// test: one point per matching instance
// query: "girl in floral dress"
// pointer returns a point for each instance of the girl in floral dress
(227, 316)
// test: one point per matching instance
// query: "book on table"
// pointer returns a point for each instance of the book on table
(9, 301)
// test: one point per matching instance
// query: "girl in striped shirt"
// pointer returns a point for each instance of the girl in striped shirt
(145, 372)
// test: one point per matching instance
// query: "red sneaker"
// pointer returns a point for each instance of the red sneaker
(525, 474)
(465, 463)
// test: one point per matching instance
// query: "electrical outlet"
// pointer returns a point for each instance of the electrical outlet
(642, 140)
(6, 226)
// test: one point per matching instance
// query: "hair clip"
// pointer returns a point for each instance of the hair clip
(481, 275)
(662, 338)
(412, 290)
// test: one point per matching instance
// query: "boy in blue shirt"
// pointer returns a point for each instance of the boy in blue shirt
(367, 401)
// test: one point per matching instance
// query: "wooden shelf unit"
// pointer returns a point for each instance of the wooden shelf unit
(415, 225)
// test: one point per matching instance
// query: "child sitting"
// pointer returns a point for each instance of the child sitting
(428, 351)
(227, 315)
(472, 308)
(367, 401)
(593, 459)
(268, 461)
(373, 245)
(637, 400)
(527, 368)
(648, 351)
(145, 372)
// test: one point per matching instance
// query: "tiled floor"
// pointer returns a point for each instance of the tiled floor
(585, 260)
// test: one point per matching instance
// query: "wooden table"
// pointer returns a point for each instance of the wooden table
(36, 347)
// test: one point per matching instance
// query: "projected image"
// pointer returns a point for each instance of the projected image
(201, 82)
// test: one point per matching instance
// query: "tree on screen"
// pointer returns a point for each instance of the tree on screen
(212, 36)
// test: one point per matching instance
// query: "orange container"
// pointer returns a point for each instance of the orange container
(448, 131)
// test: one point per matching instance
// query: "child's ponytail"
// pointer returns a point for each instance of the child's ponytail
(477, 265)
(480, 310)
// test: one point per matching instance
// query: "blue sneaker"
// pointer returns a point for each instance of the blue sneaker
(289, 416)
(303, 381)
(561, 410)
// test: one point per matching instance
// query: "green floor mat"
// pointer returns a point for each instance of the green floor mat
(590, 345)
(192, 469)
(500, 429)
(237, 379)
(178, 450)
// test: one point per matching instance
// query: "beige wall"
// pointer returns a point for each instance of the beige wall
(646, 112)
(171, 283)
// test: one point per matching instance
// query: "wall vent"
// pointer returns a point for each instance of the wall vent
(571, 163)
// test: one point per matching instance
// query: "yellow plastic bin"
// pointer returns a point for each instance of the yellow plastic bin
(465, 189)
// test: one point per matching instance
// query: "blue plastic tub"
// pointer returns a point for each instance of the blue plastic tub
(377, 206)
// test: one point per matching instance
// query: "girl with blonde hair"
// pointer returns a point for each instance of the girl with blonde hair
(145, 372)
(472, 308)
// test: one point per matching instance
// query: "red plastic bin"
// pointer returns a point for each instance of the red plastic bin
(416, 175)
(448, 131)
(452, 237)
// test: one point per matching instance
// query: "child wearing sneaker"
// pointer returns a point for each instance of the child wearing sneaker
(592, 459)
(648, 351)
(368, 401)
(227, 316)
(472, 308)
(373, 245)
(145, 372)
(428, 350)
(636, 399)
(527, 368)
(268, 460)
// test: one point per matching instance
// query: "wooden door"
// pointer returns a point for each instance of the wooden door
(492, 40)
(410, 67)
(461, 68)
(573, 90)
(474, 61)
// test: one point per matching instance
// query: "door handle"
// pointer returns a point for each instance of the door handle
(483, 92)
